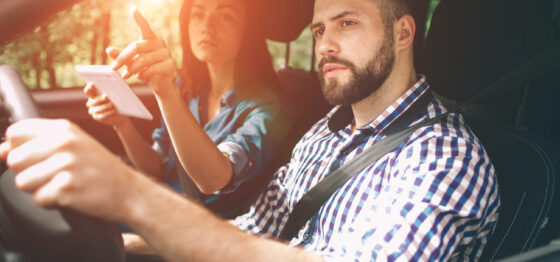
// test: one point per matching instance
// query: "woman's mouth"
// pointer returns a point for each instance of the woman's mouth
(207, 43)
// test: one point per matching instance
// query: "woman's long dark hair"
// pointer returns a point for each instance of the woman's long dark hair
(254, 73)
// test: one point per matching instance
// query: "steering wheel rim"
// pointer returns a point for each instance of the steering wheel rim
(15, 94)
(47, 234)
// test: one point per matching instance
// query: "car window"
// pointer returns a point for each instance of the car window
(46, 57)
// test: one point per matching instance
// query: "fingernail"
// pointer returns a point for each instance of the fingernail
(20, 180)
(4, 149)
(133, 8)
(114, 64)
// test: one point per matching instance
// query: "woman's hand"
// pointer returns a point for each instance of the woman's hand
(148, 58)
(100, 108)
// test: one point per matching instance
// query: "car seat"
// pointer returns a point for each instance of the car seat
(528, 189)
(501, 55)
(300, 90)
(472, 44)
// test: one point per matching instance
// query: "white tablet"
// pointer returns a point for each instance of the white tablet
(110, 83)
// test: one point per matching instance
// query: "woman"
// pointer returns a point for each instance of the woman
(220, 122)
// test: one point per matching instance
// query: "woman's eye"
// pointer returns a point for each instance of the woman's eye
(196, 16)
(227, 18)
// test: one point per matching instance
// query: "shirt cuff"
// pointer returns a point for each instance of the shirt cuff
(239, 159)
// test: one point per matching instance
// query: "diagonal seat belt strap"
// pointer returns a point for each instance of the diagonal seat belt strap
(312, 201)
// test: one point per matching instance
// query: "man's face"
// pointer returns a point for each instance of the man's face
(354, 48)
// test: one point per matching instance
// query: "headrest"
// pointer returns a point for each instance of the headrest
(472, 44)
(285, 19)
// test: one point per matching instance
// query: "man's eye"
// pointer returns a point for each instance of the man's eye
(346, 23)
(319, 32)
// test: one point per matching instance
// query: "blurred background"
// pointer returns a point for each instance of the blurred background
(46, 57)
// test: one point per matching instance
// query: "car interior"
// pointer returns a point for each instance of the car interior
(502, 55)
(494, 61)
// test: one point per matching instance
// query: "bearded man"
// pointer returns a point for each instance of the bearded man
(433, 197)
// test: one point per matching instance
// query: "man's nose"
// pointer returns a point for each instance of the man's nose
(327, 45)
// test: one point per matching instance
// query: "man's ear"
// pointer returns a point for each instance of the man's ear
(405, 28)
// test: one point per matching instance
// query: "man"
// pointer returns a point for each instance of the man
(432, 198)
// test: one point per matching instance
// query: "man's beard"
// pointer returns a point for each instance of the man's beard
(364, 81)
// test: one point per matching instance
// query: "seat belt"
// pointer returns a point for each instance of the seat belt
(314, 199)
(395, 133)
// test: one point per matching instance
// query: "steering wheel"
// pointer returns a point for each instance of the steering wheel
(46, 234)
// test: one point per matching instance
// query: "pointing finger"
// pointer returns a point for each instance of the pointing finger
(5, 148)
(143, 25)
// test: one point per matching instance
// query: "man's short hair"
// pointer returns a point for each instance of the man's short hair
(392, 10)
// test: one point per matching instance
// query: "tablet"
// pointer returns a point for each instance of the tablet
(110, 83)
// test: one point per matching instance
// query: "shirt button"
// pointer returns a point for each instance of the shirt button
(307, 235)
(222, 102)
(250, 163)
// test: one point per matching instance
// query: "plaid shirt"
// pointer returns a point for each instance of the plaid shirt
(432, 198)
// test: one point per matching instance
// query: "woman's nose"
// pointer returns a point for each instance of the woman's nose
(208, 25)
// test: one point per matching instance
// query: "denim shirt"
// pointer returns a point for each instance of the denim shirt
(248, 130)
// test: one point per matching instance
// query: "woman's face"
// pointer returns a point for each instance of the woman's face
(216, 30)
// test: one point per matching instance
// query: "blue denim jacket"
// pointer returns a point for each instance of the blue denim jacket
(249, 130)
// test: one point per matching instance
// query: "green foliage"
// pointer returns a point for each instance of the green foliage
(433, 5)
(301, 50)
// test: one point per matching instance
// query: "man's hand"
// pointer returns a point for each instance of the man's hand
(135, 244)
(148, 58)
(62, 166)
